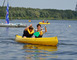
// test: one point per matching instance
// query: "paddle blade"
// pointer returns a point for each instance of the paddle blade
(36, 34)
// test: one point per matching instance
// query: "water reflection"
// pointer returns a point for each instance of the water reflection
(41, 47)
(35, 52)
(7, 31)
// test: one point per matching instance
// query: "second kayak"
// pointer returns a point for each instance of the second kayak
(43, 23)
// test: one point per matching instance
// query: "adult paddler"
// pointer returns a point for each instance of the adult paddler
(28, 32)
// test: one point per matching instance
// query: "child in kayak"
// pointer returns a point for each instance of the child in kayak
(28, 32)
(41, 31)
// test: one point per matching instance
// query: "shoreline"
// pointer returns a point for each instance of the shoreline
(38, 19)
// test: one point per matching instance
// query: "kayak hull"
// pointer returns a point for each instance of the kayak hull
(40, 41)
(29, 21)
(43, 23)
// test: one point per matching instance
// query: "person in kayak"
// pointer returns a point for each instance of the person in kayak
(47, 21)
(43, 21)
(40, 30)
(28, 32)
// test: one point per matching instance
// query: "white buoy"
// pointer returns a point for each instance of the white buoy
(69, 26)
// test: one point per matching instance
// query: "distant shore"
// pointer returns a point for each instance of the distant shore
(37, 14)
(39, 19)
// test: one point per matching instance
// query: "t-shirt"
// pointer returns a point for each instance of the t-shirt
(37, 31)
(25, 33)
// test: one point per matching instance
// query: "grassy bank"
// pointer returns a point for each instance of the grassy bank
(23, 18)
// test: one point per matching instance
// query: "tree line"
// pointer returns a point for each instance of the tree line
(32, 13)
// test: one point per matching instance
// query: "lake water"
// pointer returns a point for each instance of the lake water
(65, 50)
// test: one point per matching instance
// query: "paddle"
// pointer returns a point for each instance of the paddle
(38, 33)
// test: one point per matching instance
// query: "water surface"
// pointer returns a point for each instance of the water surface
(66, 49)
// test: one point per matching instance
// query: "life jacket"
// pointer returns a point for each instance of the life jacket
(27, 33)
(41, 33)
(30, 32)
(43, 21)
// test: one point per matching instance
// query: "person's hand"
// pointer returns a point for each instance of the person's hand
(24, 36)
(30, 25)
(41, 28)
(33, 37)
(45, 25)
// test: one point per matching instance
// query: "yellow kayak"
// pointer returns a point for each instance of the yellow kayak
(41, 41)
(43, 23)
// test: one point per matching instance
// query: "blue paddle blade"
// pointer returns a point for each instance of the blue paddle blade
(36, 34)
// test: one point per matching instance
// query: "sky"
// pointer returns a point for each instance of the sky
(43, 4)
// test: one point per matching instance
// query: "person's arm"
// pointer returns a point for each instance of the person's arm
(28, 27)
(24, 34)
(45, 29)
